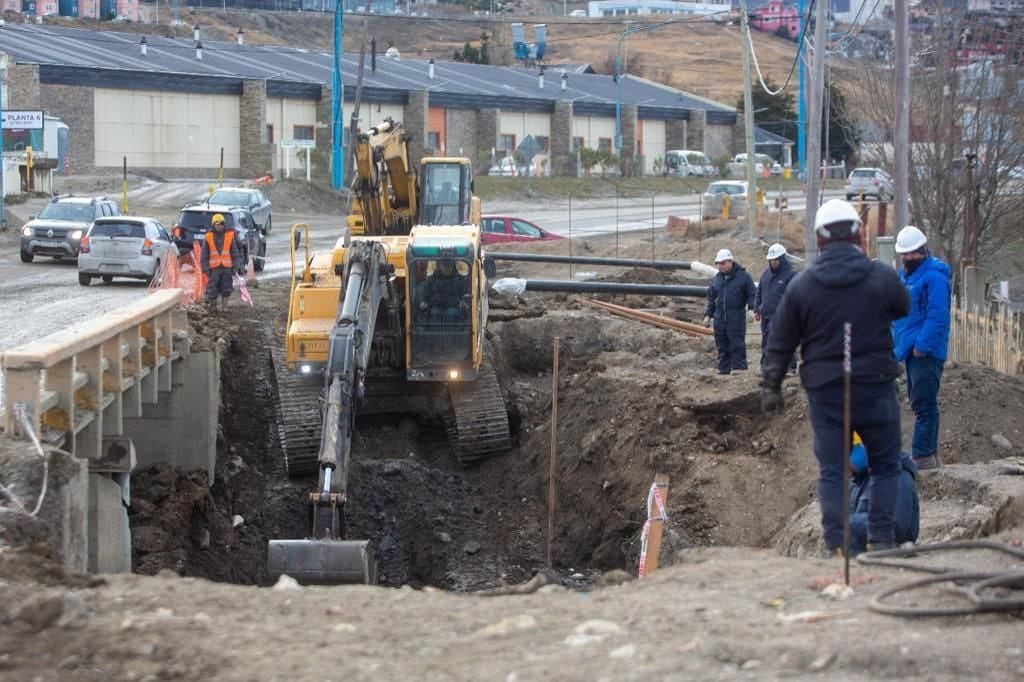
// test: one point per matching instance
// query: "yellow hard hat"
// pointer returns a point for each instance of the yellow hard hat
(217, 218)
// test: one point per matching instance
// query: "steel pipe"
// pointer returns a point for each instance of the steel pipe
(593, 260)
(555, 285)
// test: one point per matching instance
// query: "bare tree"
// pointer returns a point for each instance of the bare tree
(965, 105)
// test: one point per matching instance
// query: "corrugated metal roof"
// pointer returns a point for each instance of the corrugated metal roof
(115, 59)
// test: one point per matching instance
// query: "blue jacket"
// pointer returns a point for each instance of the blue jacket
(926, 328)
(908, 508)
(842, 285)
(729, 296)
(771, 287)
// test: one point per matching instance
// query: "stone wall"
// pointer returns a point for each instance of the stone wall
(256, 155)
(416, 117)
(487, 131)
(460, 136)
(675, 134)
(563, 161)
(23, 86)
(75, 106)
(628, 160)
(695, 132)
(323, 133)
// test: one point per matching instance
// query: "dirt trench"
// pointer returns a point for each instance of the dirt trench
(633, 401)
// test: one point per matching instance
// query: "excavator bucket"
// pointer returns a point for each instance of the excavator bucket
(323, 562)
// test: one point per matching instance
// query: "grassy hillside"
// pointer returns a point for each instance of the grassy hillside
(699, 57)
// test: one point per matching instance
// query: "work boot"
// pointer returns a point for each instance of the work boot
(927, 463)
(223, 302)
(881, 546)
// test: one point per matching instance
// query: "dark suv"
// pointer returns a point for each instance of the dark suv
(196, 220)
(58, 229)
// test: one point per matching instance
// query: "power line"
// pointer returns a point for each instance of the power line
(796, 58)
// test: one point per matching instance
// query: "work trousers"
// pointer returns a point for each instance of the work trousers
(221, 282)
(765, 327)
(875, 415)
(923, 378)
(730, 341)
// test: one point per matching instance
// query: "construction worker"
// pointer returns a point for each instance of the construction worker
(730, 304)
(922, 339)
(843, 286)
(907, 516)
(220, 257)
(774, 280)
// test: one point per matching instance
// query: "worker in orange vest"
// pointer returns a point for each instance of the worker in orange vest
(219, 260)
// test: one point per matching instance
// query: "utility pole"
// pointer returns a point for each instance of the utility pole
(337, 158)
(968, 254)
(748, 123)
(901, 133)
(814, 130)
(801, 105)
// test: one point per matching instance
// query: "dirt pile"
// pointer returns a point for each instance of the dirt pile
(304, 198)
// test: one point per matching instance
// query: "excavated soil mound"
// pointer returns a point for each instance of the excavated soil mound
(305, 198)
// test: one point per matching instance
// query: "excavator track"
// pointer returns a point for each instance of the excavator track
(299, 420)
(478, 428)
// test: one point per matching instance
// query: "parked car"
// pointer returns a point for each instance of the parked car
(497, 229)
(123, 246)
(738, 167)
(245, 197)
(506, 167)
(713, 200)
(195, 220)
(871, 182)
(686, 163)
(58, 229)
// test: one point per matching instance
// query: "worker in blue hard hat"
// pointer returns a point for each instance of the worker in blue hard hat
(907, 514)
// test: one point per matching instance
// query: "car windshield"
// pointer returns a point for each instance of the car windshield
(227, 197)
(863, 174)
(696, 159)
(136, 230)
(726, 189)
(67, 211)
(200, 220)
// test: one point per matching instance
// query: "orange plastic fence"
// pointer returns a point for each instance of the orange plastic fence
(181, 273)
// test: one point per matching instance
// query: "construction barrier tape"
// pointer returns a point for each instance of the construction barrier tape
(653, 496)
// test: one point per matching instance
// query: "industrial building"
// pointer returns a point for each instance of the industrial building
(173, 106)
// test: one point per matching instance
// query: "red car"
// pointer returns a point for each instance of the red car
(498, 229)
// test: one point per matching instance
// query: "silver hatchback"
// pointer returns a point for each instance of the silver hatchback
(122, 247)
(869, 182)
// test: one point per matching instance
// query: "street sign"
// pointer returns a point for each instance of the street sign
(298, 144)
(21, 120)
(781, 202)
(528, 149)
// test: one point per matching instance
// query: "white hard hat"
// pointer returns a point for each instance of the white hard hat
(723, 254)
(836, 211)
(910, 239)
(775, 251)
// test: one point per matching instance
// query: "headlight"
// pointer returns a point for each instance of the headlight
(306, 369)
(75, 234)
(453, 374)
(27, 231)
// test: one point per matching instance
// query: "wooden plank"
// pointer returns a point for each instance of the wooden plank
(132, 368)
(89, 400)
(656, 528)
(113, 416)
(68, 342)
(22, 386)
(60, 379)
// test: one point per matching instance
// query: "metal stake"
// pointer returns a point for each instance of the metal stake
(847, 435)
(554, 451)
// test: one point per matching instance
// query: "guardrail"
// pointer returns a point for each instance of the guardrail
(80, 384)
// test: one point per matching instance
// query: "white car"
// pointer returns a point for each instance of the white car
(713, 200)
(122, 246)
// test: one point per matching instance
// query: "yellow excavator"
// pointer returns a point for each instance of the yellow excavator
(389, 321)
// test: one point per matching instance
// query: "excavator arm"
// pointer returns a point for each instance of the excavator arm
(384, 182)
(368, 299)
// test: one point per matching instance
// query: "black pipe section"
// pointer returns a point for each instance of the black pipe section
(566, 286)
(593, 260)
(373, 55)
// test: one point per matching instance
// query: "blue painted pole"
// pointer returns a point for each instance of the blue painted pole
(337, 157)
(618, 103)
(801, 115)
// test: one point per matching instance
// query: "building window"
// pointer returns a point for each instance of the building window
(507, 143)
(434, 141)
(577, 144)
(270, 134)
(303, 133)
(542, 141)
(604, 144)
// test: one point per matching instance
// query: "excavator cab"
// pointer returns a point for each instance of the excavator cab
(446, 193)
(445, 305)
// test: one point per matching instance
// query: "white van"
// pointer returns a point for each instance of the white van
(686, 163)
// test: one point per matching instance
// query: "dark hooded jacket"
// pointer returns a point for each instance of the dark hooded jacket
(842, 285)
(771, 287)
(729, 296)
(907, 515)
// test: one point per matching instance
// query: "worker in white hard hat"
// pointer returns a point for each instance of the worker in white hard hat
(730, 304)
(842, 287)
(922, 339)
(773, 283)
